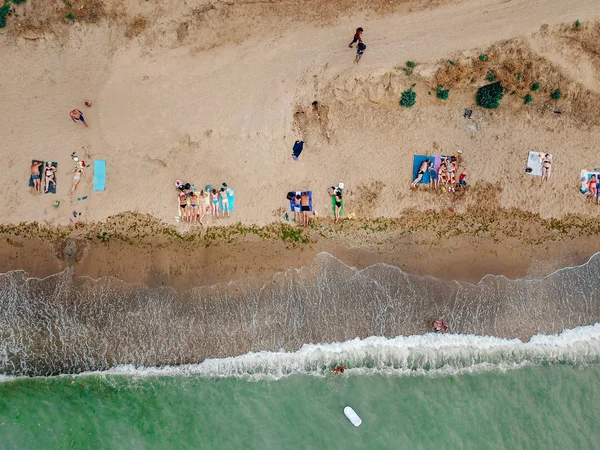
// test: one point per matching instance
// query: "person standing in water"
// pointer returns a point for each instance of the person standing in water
(339, 369)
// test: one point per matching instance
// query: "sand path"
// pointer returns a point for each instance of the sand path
(220, 115)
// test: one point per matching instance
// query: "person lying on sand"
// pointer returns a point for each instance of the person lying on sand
(78, 171)
(203, 205)
(433, 177)
(193, 213)
(77, 115)
(35, 176)
(305, 203)
(182, 195)
(214, 203)
(420, 172)
(49, 172)
(224, 201)
(546, 167)
(297, 207)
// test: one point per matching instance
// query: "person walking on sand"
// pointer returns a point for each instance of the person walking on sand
(78, 172)
(36, 177)
(78, 115)
(360, 50)
(357, 37)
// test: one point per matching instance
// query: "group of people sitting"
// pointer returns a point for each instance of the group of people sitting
(444, 178)
(591, 187)
(195, 205)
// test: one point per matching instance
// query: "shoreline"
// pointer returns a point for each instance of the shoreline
(138, 248)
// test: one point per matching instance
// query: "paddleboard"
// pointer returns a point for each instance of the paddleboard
(352, 416)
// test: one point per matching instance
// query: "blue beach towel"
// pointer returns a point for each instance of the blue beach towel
(417, 160)
(310, 205)
(99, 174)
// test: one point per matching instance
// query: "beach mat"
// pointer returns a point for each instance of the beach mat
(52, 187)
(534, 163)
(99, 174)
(31, 184)
(310, 205)
(417, 160)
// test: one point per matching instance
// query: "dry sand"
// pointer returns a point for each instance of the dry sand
(174, 100)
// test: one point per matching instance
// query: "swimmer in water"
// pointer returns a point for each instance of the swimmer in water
(339, 369)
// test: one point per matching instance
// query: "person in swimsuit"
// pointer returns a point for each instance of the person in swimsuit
(49, 173)
(598, 191)
(360, 50)
(78, 172)
(36, 177)
(193, 214)
(339, 369)
(224, 201)
(337, 194)
(420, 173)
(433, 177)
(357, 37)
(214, 203)
(546, 167)
(297, 207)
(78, 115)
(591, 194)
(305, 203)
(203, 205)
(183, 203)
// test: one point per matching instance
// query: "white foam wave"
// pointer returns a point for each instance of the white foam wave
(431, 354)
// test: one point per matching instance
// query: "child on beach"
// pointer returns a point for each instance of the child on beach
(357, 37)
(360, 50)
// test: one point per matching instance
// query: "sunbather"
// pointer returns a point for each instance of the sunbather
(598, 192)
(35, 176)
(297, 207)
(224, 202)
(214, 203)
(420, 172)
(433, 177)
(50, 174)
(77, 115)
(546, 167)
(305, 202)
(592, 191)
(182, 195)
(337, 194)
(194, 202)
(78, 171)
(442, 175)
(203, 206)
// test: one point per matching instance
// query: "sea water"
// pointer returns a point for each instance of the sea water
(104, 364)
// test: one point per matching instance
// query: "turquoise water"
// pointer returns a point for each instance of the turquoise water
(549, 406)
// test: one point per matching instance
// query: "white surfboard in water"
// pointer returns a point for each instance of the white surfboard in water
(352, 416)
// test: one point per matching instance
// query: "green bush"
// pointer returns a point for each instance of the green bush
(442, 93)
(4, 11)
(452, 63)
(528, 99)
(410, 64)
(489, 96)
(490, 76)
(16, 2)
(556, 94)
(70, 16)
(519, 76)
(577, 23)
(482, 57)
(535, 86)
(409, 98)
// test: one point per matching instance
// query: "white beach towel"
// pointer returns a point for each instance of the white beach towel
(534, 162)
